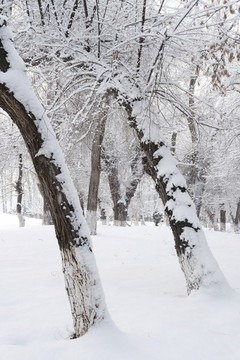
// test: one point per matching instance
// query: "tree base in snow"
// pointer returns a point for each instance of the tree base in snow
(21, 220)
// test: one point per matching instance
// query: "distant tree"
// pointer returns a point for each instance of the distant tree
(93, 191)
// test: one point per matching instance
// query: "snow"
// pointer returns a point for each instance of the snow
(145, 292)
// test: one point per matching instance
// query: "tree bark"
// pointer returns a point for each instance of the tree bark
(18, 100)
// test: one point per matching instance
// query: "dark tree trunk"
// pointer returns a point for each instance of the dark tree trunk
(120, 213)
(237, 218)
(80, 195)
(119, 208)
(222, 219)
(95, 175)
(19, 190)
(79, 268)
(103, 215)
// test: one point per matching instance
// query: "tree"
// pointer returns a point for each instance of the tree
(18, 100)
(95, 173)
(198, 265)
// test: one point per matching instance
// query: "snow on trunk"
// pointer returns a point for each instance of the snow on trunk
(196, 260)
(17, 98)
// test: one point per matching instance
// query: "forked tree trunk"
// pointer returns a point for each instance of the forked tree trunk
(120, 203)
(119, 207)
(20, 103)
(198, 265)
(120, 214)
(19, 190)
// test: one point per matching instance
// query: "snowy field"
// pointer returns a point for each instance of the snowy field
(145, 292)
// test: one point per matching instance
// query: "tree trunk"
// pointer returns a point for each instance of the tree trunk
(120, 214)
(3, 195)
(18, 100)
(237, 218)
(198, 265)
(222, 220)
(95, 175)
(81, 199)
(212, 219)
(103, 215)
(121, 203)
(195, 173)
(19, 189)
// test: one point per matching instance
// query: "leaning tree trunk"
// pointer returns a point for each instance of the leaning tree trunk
(198, 265)
(95, 175)
(19, 190)
(20, 103)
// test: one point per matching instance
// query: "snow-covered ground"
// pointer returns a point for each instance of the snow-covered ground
(145, 292)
